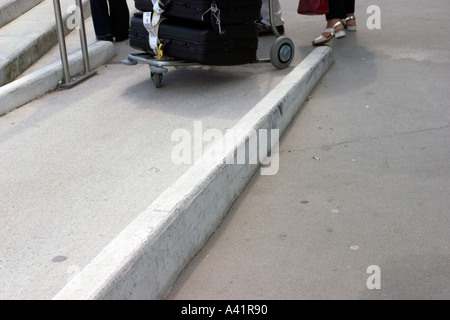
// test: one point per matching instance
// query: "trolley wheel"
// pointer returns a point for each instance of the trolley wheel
(282, 52)
(157, 78)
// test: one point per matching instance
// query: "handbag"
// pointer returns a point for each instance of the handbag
(313, 7)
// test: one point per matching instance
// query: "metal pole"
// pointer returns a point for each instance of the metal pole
(272, 24)
(84, 46)
(61, 40)
(68, 81)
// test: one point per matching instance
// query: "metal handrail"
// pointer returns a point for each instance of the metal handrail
(69, 82)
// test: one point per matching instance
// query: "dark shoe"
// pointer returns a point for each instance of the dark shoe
(105, 37)
(266, 30)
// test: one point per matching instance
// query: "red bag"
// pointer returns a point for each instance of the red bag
(313, 7)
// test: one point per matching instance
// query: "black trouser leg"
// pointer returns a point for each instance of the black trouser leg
(349, 6)
(336, 10)
(100, 19)
(120, 18)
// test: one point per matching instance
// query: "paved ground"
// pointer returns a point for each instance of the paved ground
(79, 165)
(364, 178)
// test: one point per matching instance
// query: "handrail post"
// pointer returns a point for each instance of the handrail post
(69, 82)
(83, 40)
(61, 40)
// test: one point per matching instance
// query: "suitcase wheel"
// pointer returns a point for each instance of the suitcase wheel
(282, 52)
(156, 73)
(157, 78)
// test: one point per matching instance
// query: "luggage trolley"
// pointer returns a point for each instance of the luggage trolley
(281, 55)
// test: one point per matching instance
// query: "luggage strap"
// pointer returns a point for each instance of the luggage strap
(215, 13)
(151, 22)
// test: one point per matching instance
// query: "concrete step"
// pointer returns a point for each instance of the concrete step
(11, 9)
(28, 37)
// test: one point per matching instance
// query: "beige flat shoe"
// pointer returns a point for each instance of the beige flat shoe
(321, 40)
(349, 27)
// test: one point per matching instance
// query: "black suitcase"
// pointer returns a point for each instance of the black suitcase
(195, 42)
(231, 11)
(144, 5)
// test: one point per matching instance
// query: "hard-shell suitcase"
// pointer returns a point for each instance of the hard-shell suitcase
(144, 5)
(229, 11)
(193, 41)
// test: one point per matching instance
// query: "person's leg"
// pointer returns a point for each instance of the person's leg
(100, 19)
(336, 10)
(349, 6)
(264, 25)
(120, 19)
(334, 27)
(265, 14)
(350, 20)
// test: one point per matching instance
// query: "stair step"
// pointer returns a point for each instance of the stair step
(12, 9)
(27, 38)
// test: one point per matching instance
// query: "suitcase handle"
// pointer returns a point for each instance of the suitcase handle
(215, 16)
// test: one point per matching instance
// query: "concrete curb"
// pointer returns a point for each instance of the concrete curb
(145, 259)
(36, 84)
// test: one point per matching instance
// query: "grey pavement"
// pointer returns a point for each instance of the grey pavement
(364, 178)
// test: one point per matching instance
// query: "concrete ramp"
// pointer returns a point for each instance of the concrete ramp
(145, 259)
